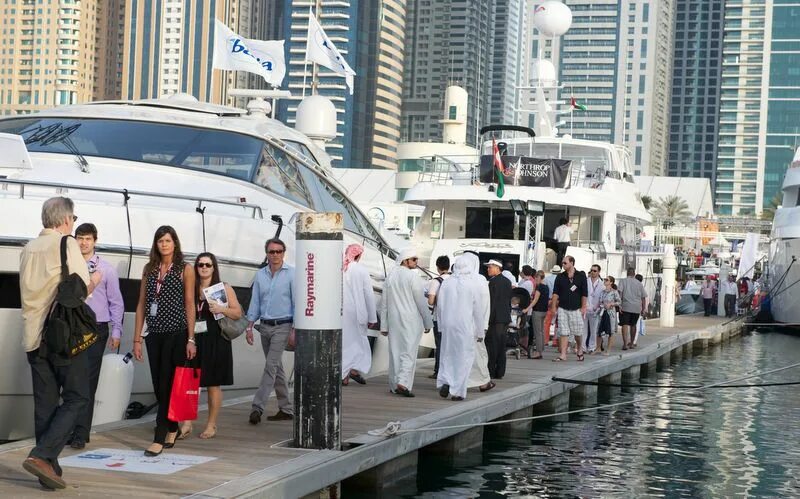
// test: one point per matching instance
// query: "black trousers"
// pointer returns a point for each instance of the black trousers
(496, 349)
(53, 422)
(95, 352)
(437, 337)
(165, 351)
(562, 251)
(707, 306)
(730, 305)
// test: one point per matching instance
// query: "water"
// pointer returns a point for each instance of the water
(716, 443)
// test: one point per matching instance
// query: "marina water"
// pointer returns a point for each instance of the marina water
(734, 442)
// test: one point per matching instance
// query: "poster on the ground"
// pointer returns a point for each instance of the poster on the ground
(133, 461)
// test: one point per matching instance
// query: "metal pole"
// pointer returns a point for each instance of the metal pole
(668, 266)
(318, 331)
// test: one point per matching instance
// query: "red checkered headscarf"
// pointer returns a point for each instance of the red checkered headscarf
(351, 253)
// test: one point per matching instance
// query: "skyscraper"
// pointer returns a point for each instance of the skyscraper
(369, 35)
(696, 81)
(169, 47)
(506, 73)
(447, 42)
(54, 53)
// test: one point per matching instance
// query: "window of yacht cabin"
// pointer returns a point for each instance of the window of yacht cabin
(493, 223)
(278, 172)
(213, 151)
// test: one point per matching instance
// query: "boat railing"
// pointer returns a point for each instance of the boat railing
(465, 170)
(126, 194)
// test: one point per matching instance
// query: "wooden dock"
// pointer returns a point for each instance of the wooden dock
(255, 461)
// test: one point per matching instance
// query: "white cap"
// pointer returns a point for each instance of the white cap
(494, 262)
(406, 253)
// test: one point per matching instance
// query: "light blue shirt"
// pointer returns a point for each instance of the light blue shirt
(272, 295)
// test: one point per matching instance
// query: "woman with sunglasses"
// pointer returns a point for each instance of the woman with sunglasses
(166, 303)
(213, 350)
(609, 301)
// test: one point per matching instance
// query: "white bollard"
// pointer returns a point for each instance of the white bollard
(668, 265)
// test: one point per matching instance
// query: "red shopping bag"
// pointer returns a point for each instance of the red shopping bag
(185, 394)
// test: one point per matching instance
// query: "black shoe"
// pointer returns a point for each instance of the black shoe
(149, 453)
(405, 392)
(433, 376)
(280, 416)
(444, 391)
(77, 443)
(255, 417)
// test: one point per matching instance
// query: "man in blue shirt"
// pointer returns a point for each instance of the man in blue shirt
(272, 303)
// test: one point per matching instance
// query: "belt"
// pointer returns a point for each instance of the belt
(276, 322)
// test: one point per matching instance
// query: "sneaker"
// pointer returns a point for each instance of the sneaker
(255, 417)
(280, 416)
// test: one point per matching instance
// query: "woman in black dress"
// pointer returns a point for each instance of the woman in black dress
(213, 350)
(166, 302)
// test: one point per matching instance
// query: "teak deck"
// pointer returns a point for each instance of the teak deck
(255, 460)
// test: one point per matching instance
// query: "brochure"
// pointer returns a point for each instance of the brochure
(218, 294)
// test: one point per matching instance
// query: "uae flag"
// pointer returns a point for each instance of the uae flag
(499, 169)
(575, 105)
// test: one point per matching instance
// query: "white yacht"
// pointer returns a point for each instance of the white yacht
(225, 178)
(784, 267)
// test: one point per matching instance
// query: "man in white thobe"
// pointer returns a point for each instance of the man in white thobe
(404, 315)
(463, 316)
(358, 312)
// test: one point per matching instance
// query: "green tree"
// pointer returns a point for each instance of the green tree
(672, 208)
(772, 207)
(647, 201)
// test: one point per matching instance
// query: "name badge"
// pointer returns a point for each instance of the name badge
(573, 288)
(200, 327)
(153, 309)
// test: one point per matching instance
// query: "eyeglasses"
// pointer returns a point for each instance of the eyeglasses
(205, 265)
(74, 218)
(275, 252)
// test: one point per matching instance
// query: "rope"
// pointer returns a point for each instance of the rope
(395, 427)
(645, 385)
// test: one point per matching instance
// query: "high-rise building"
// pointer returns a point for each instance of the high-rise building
(56, 52)
(759, 120)
(169, 47)
(507, 61)
(369, 35)
(696, 80)
(448, 42)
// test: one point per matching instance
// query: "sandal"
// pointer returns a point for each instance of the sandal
(559, 359)
(345, 382)
(209, 434)
(488, 386)
(456, 399)
(358, 378)
(580, 357)
(183, 432)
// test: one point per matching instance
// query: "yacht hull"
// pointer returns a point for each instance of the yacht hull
(783, 274)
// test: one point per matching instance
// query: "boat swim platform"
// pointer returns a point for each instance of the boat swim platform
(257, 461)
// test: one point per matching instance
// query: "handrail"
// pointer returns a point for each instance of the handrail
(127, 193)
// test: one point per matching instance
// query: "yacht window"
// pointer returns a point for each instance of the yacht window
(278, 172)
(301, 149)
(214, 151)
(436, 224)
(492, 223)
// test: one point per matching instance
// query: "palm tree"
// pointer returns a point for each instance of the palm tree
(647, 201)
(672, 208)
(774, 204)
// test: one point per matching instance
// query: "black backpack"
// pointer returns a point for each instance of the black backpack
(71, 326)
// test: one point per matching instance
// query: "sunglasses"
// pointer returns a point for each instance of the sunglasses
(275, 252)
(594, 270)
(74, 218)
(564, 263)
(205, 265)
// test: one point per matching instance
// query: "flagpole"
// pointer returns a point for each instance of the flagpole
(314, 69)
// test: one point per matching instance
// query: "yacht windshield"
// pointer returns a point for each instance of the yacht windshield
(215, 151)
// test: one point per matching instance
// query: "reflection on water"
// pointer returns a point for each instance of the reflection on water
(717, 443)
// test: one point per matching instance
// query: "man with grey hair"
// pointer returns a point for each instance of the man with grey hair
(53, 377)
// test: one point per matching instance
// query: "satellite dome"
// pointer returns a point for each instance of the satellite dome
(552, 18)
(316, 117)
(543, 72)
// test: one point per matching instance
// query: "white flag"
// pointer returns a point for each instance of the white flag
(232, 52)
(320, 49)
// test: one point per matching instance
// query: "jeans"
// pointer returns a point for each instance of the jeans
(496, 348)
(165, 351)
(730, 305)
(53, 422)
(437, 337)
(707, 306)
(95, 352)
(273, 342)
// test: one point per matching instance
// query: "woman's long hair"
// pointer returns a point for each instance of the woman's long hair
(155, 256)
(214, 274)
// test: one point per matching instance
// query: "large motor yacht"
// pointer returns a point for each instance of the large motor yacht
(226, 179)
(785, 250)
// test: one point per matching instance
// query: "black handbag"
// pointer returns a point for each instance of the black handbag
(71, 326)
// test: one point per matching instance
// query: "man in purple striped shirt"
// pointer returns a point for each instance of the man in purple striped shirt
(106, 302)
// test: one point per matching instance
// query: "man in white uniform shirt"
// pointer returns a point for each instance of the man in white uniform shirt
(562, 235)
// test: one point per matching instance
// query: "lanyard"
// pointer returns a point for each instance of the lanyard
(161, 278)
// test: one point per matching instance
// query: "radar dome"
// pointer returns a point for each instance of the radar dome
(552, 18)
(543, 72)
(316, 117)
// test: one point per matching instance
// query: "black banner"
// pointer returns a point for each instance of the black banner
(525, 171)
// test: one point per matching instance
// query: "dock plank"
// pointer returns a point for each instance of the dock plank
(252, 455)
